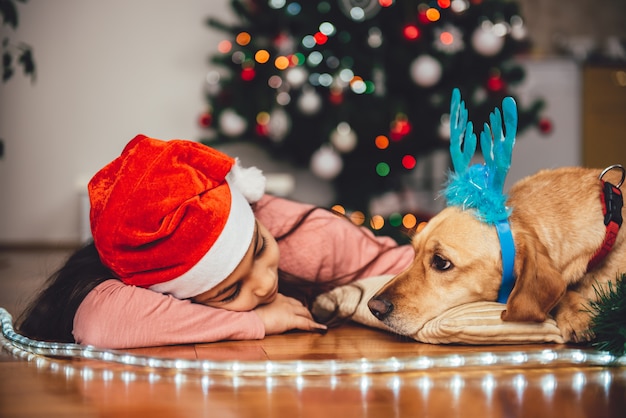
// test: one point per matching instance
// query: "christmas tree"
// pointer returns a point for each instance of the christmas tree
(357, 90)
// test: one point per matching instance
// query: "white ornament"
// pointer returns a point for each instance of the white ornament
(279, 124)
(426, 71)
(231, 124)
(326, 163)
(309, 102)
(296, 76)
(486, 42)
(444, 127)
(343, 137)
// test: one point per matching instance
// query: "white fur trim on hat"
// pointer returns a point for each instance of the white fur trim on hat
(222, 258)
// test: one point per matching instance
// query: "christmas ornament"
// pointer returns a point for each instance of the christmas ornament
(296, 76)
(326, 163)
(444, 127)
(279, 124)
(374, 37)
(425, 71)
(518, 29)
(309, 102)
(545, 126)
(212, 83)
(359, 10)
(205, 119)
(231, 123)
(495, 83)
(448, 39)
(486, 42)
(343, 137)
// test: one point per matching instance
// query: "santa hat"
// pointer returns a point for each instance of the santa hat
(173, 216)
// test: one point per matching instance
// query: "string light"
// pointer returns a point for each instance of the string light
(357, 217)
(411, 32)
(377, 222)
(409, 162)
(383, 169)
(20, 346)
(395, 219)
(338, 209)
(433, 14)
(281, 62)
(409, 221)
(224, 46)
(320, 38)
(262, 56)
(382, 142)
(243, 38)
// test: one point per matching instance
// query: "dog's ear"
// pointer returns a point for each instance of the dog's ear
(538, 286)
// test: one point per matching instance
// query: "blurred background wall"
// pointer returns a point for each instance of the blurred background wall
(107, 70)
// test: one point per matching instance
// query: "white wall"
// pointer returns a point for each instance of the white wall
(106, 70)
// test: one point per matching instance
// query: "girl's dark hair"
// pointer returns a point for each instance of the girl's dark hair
(50, 316)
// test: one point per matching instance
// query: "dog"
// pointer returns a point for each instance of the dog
(557, 223)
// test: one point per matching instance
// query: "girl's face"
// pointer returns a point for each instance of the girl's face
(255, 280)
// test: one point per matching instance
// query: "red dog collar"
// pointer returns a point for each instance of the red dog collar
(612, 202)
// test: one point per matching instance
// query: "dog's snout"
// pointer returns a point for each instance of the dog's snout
(380, 307)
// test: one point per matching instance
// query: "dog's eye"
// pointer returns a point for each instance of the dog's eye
(441, 263)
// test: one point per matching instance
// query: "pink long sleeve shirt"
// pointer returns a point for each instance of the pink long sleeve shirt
(325, 247)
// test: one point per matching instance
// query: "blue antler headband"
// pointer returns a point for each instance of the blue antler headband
(480, 187)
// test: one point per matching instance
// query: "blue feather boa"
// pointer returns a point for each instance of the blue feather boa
(473, 190)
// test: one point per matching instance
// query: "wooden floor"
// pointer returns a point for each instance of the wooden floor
(48, 387)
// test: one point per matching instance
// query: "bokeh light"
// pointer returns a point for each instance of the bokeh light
(395, 219)
(357, 217)
(243, 38)
(281, 62)
(382, 142)
(409, 162)
(411, 32)
(338, 209)
(262, 56)
(224, 46)
(377, 222)
(383, 169)
(433, 14)
(409, 221)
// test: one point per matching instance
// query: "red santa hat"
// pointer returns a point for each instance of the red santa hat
(173, 216)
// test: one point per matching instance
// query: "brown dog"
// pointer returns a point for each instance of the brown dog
(557, 224)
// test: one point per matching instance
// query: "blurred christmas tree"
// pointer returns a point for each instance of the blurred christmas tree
(358, 89)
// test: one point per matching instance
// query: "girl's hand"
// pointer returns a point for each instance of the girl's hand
(285, 314)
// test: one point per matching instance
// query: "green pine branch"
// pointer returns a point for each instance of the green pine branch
(608, 324)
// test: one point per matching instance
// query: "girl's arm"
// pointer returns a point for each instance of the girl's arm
(117, 316)
(327, 247)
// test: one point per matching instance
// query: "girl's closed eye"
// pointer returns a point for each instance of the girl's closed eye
(233, 295)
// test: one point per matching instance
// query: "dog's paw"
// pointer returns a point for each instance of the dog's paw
(574, 325)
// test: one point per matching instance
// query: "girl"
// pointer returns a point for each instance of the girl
(188, 249)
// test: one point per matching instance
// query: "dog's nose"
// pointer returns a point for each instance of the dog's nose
(380, 307)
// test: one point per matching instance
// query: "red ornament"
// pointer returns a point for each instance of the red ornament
(400, 128)
(495, 83)
(205, 120)
(336, 97)
(262, 129)
(248, 74)
(545, 126)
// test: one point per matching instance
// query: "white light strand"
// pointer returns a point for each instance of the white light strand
(23, 347)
